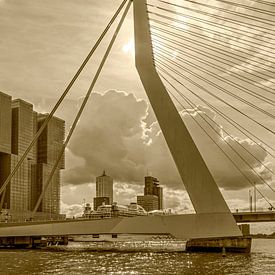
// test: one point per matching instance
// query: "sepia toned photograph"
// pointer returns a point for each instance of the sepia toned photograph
(137, 137)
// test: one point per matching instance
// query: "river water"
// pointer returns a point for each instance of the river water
(80, 259)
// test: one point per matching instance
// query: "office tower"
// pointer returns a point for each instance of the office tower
(18, 125)
(148, 202)
(5, 141)
(48, 148)
(104, 187)
(23, 128)
(153, 195)
(17, 195)
(51, 141)
(152, 188)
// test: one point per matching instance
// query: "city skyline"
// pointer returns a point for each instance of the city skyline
(145, 146)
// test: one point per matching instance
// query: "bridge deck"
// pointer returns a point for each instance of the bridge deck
(248, 217)
(205, 225)
(180, 226)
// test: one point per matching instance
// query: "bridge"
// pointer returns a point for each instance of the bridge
(162, 224)
(157, 44)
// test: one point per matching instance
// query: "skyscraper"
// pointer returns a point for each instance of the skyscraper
(152, 188)
(153, 195)
(104, 187)
(18, 125)
(48, 147)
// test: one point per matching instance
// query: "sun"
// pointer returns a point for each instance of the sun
(129, 47)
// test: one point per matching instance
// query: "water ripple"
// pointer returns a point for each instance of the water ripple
(84, 260)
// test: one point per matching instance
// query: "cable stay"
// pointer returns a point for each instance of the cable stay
(214, 84)
(157, 38)
(243, 50)
(235, 124)
(223, 79)
(264, 2)
(237, 30)
(249, 26)
(225, 52)
(240, 156)
(213, 95)
(215, 66)
(271, 13)
(232, 148)
(216, 25)
(238, 14)
(227, 156)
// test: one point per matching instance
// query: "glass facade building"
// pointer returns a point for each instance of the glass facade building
(18, 125)
(153, 195)
(152, 188)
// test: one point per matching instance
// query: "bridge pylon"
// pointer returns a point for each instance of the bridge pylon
(199, 183)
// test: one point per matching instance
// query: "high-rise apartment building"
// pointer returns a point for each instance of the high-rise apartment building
(153, 195)
(104, 187)
(18, 125)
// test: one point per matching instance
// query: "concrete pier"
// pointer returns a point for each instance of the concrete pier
(233, 244)
(32, 242)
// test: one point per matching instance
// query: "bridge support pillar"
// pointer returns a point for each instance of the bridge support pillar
(245, 229)
(229, 244)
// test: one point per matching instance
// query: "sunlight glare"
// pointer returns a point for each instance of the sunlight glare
(129, 48)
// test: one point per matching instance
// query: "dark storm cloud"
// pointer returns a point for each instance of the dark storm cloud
(113, 135)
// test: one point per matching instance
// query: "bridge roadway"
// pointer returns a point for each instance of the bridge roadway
(250, 217)
(181, 226)
(200, 225)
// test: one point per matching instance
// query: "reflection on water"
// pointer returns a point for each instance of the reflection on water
(79, 260)
(125, 246)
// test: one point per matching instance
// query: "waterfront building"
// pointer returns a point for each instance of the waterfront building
(104, 187)
(18, 125)
(148, 202)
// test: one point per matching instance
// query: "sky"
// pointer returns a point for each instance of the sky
(43, 43)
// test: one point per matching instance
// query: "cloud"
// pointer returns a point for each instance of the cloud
(114, 134)
(247, 156)
(71, 210)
